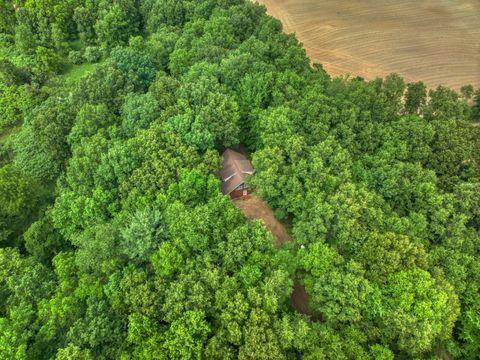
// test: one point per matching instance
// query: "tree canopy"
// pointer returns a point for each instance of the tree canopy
(116, 242)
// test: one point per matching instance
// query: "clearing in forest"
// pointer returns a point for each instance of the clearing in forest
(437, 42)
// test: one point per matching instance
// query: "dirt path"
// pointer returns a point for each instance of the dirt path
(255, 208)
(434, 41)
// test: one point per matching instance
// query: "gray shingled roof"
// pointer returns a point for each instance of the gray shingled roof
(236, 168)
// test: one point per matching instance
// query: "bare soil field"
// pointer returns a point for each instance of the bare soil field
(435, 41)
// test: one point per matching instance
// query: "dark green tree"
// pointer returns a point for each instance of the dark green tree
(415, 97)
(138, 111)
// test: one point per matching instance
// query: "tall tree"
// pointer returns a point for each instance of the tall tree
(415, 97)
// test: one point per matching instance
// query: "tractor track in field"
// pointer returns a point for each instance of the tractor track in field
(437, 42)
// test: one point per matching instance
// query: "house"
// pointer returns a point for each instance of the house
(236, 168)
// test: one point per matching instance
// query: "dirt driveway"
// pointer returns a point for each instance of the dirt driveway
(254, 208)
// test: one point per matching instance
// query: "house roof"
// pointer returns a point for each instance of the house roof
(236, 168)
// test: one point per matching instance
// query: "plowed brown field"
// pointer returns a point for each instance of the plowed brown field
(436, 41)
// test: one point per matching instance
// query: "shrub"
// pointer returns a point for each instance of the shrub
(75, 57)
(92, 54)
(6, 40)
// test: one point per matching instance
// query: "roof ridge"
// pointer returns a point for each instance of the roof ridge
(236, 166)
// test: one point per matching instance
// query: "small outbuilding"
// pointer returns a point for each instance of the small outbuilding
(236, 168)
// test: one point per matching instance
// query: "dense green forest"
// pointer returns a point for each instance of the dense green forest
(116, 242)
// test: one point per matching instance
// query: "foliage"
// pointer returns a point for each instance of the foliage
(92, 54)
(417, 310)
(134, 62)
(138, 111)
(19, 198)
(75, 57)
(116, 242)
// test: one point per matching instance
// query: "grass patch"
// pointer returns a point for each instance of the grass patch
(75, 45)
(75, 72)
